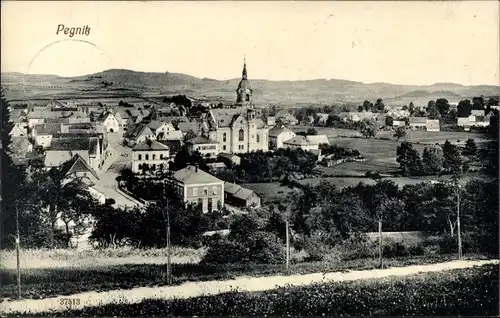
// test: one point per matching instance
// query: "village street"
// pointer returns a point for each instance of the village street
(241, 284)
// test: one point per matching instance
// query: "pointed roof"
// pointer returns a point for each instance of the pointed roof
(244, 72)
(77, 164)
(139, 130)
(297, 140)
(277, 130)
(150, 145)
(237, 191)
(194, 175)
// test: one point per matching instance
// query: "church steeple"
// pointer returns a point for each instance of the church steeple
(244, 73)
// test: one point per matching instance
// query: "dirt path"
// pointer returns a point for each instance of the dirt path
(193, 289)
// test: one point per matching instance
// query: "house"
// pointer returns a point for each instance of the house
(194, 185)
(398, 123)
(432, 125)
(109, 121)
(174, 146)
(193, 126)
(150, 155)
(230, 159)
(55, 158)
(236, 130)
(477, 112)
(164, 131)
(92, 146)
(322, 118)
(139, 134)
(271, 121)
(418, 122)
(122, 116)
(240, 197)
(358, 116)
(20, 147)
(279, 134)
(204, 145)
(285, 118)
(464, 122)
(317, 139)
(473, 121)
(20, 129)
(43, 133)
(300, 142)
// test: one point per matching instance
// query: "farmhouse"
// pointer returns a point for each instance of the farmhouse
(279, 134)
(91, 145)
(418, 122)
(164, 130)
(139, 134)
(109, 121)
(206, 147)
(229, 159)
(240, 197)
(150, 155)
(300, 142)
(44, 133)
(194, 185)
(20, 129)
(432, 125)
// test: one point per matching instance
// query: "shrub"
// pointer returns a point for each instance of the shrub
(257, 248)
(358, 246)
(316, 246)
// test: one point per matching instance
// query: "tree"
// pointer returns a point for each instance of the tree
(478, 103)
(432, 110)
(470, 149)
(443, 106)
(411, 108)
(452, 161)
(389, 121)
(312, 131)
(432, 161)
(408, 159)
(464, 108)
(404, 107)
(379, 105)
(400, 132)
(368, 128)
(361, 109)
(367, 106)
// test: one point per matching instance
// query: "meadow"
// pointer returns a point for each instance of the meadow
(460, 292)
(40, 283)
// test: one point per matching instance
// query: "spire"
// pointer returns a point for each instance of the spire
(244, 74)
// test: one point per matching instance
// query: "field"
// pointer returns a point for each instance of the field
(466, 291)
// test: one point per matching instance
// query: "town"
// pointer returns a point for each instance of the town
(269, 188)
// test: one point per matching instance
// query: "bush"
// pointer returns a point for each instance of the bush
(358, 246)
(258, 248)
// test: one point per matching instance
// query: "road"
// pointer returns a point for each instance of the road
(195, 289)
(118, 157)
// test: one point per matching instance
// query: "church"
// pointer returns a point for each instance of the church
(238, 130)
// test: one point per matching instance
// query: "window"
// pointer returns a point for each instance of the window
(139, 157)
(214, 189)
(253, 136)
(205, 191)
(161, 156)
(147, 157)
(224, 147)
(195, 191)
(154, 156)
(224, 137)
(241, 135)
(258, 138)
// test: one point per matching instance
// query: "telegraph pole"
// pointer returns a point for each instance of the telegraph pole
(18, 242)
(169, 266)
(287, 245)
(459, 234)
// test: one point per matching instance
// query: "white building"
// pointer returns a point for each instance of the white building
(109, 121)
(432, 125)
(300, 142)
(279, 134)
(164, 130)
(151, 153)
(418, 122)
(206, 147)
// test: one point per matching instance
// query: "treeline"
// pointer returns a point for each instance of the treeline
(262, 166)
(178, 100)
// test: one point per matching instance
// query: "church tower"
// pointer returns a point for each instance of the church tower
(244, 91)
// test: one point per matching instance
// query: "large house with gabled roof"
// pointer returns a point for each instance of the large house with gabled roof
(150, 156)
(194, 185)
(139, 134)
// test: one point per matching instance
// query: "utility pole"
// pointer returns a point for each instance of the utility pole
(380, 243)
(167, 238)
(459, 234)
(18, 242)
(287, 245)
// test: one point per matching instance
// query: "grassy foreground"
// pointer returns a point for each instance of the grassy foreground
(50, 282)
(472, 291)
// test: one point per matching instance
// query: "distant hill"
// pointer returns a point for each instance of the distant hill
(318, 91)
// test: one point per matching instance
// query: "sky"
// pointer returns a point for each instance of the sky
(405, 42)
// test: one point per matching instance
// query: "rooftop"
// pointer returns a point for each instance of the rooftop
(194, 175)
(277, 130)
(237, 191)
(297, 140)
(150, 145)
(201, 140)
